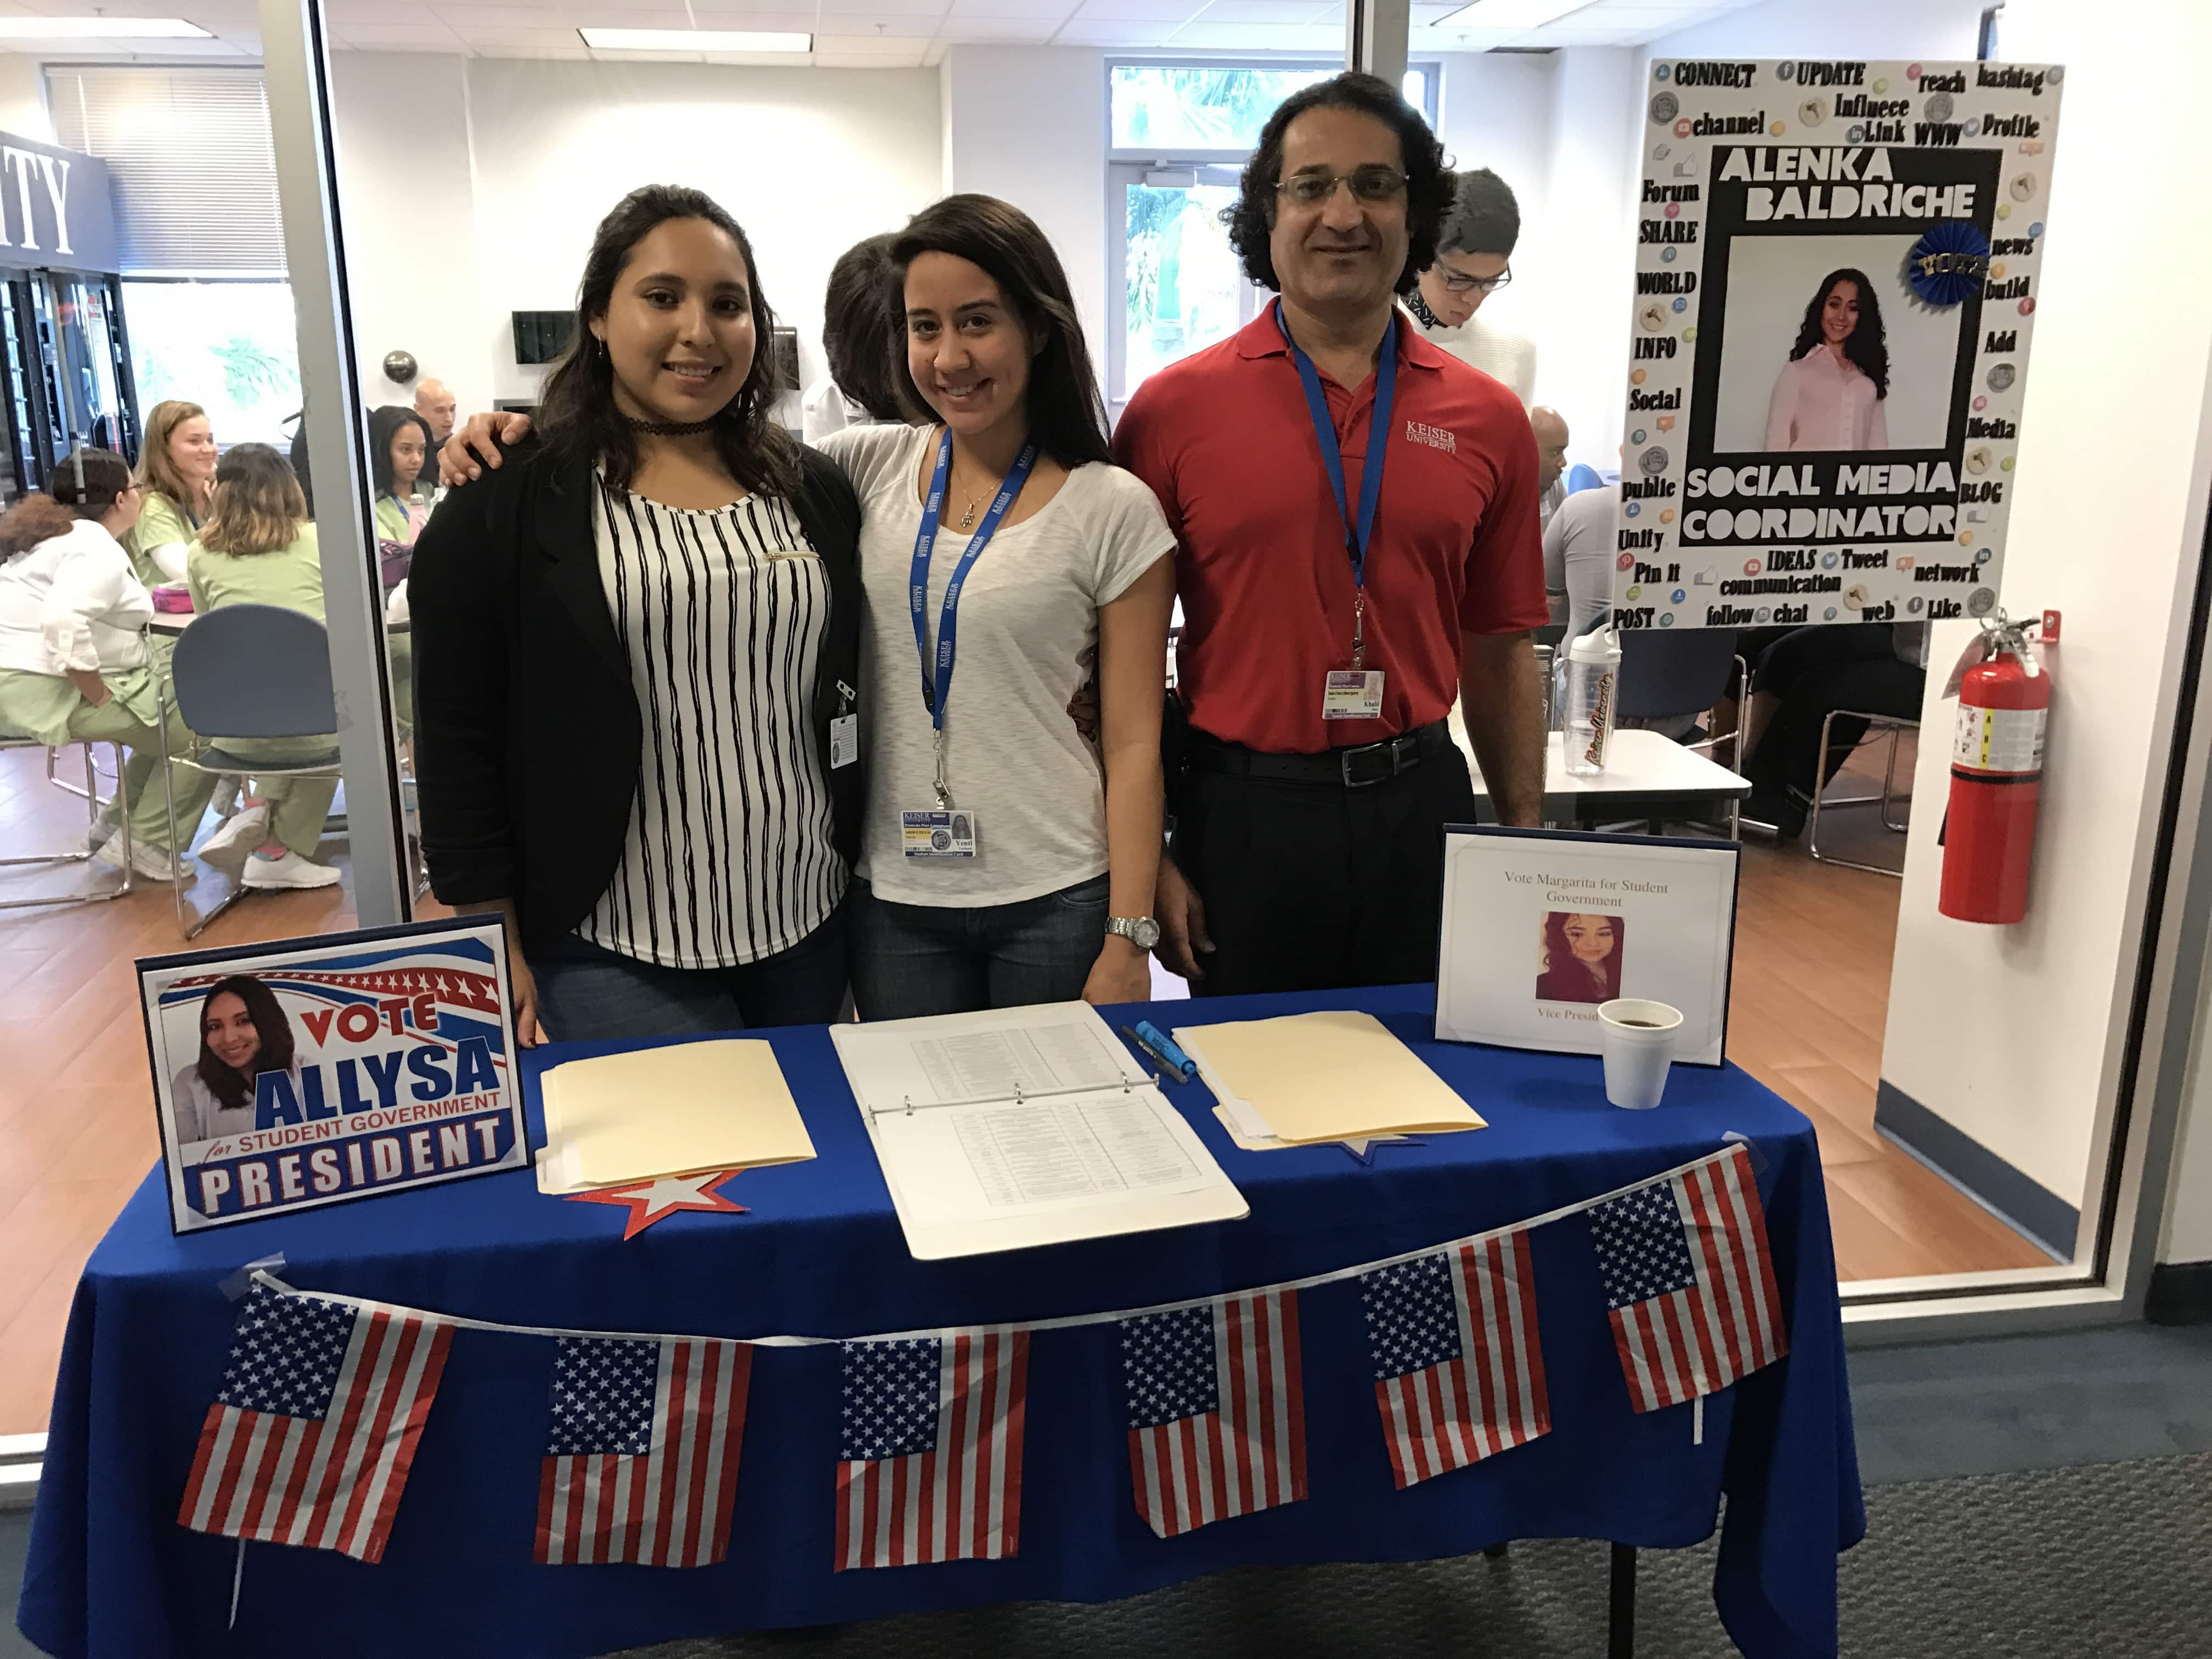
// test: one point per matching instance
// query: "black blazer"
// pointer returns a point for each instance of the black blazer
(528, 736)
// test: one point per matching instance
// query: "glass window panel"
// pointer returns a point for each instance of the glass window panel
(231, 348)
(1184, 287)
(1175, 110)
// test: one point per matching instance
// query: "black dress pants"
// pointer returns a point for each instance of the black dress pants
(1313, 886)
(1816, 672)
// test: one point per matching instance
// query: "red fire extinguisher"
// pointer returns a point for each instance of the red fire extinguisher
(1997, 776)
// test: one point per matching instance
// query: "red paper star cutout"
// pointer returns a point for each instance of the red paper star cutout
(653, 1200)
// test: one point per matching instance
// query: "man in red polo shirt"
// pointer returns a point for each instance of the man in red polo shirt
(1329, 624)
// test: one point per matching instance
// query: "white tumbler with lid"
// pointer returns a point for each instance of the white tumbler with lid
(1588, 711)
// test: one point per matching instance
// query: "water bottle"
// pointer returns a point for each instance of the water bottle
(1587, 711)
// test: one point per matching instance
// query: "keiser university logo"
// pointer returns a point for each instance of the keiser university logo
(1436, 437)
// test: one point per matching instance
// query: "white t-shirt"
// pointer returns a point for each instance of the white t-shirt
(1020, 761)
(1498, 352)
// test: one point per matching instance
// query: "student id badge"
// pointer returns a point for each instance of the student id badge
(844, 740)
(948, 834)
(1351, 693)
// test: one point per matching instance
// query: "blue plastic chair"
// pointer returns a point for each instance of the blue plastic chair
(1582, 476)
(248, 671)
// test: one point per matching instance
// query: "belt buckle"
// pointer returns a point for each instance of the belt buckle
(1389, 744)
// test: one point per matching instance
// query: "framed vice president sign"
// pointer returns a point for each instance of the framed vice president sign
(1541, 926)
(321, 1070)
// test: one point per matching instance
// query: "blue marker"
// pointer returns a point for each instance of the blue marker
(1162, 1048)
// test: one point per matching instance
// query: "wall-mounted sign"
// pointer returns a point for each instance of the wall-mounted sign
(322, 1070)
(56, 208)
(1837, 267)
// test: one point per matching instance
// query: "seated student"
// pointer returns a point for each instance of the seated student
(860, 340)
(257, 548)
(399, 443)
(1876, 668)
(74, 666)
(176, 474)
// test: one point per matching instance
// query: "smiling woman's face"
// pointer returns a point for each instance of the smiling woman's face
(679, 327)
(232, 1035)
(1590, 937)
(1839, 315)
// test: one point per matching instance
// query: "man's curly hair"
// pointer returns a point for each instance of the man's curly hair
(1428, 181)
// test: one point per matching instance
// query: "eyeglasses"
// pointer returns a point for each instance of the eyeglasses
(1457, 284)
(1368, 185)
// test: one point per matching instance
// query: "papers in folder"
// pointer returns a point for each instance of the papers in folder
(1019, 1126)
(673, 1111)
(1336, 1075)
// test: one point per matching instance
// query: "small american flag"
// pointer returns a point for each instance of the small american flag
(1459, 1368)
(310, 1440)
(931, 1448)
(1689, 1282)
(640, 1462)
(1217, 1411)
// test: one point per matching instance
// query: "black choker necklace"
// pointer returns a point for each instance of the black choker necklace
(667, 428)
(1422, 314)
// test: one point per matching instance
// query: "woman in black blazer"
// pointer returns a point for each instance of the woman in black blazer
(636, 663)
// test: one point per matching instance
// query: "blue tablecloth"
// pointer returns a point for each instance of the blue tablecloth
(112, 1573)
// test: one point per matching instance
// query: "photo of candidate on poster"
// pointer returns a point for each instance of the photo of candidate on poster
(1579, 958)
(1836, 275)
(244, 1032)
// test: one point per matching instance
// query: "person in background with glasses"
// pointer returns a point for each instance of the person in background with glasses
(1474, 259)
(1355, 513)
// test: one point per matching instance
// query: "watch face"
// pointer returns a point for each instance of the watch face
(1142, 932)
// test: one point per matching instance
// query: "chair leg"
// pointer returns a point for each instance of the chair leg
(1620, 1619)
(79, 856)
(1882, 801)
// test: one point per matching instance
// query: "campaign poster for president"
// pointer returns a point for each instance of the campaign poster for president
(1837, 267)
(331, 1068)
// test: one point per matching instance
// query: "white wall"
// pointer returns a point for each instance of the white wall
(406, 203)
(23, 97)
(2117, 391)
(1495, 111)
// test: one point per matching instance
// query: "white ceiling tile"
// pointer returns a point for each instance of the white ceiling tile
(1260, 37)
(985, 30)
(520, 39)
(543, 17)
(343, 12)
(1057, 11)
(882, 9)
(1138, 11)
(1114, 34)
(421, 43)
(378, 37)
(845, 60)
(545, 54)
(871, 46)
(1262, 11)
(877, 28)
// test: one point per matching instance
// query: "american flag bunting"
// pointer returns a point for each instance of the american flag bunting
(1459, 1366)
(640, 1461)
(931, 1448)
(1689, 1282)
(1216, 1410)
(311, 1438)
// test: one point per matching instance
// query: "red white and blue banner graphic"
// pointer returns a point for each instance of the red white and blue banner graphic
(330, 1069)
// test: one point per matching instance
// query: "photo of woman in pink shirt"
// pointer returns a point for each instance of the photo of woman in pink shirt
(1830, 396)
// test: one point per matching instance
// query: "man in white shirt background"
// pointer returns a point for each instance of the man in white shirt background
(1474, 259)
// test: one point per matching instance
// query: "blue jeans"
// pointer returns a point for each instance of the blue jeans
(586, 991)
(910, 959)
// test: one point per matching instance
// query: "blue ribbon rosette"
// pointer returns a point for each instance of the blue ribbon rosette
(1947, 265)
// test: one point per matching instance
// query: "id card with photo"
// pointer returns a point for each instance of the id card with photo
(1351, 693)
(937, 835)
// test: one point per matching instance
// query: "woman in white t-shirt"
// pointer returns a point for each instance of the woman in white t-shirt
(1007, 858)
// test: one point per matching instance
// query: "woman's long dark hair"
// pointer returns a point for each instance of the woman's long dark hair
(1067, 418)
(86, 485)
(384, 425)
(1558, 954)
(229, 1086)
(577, 412)
(1866, 345)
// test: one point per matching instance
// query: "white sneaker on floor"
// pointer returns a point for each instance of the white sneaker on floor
(236, 838)
(149, 861)
(290, 870)
(98, 835)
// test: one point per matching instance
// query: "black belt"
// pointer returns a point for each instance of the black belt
(1350, 769)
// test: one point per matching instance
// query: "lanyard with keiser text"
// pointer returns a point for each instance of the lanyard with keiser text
(1357, 694)
(936, 681)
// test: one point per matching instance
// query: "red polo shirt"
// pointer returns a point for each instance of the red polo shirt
(1225, 439)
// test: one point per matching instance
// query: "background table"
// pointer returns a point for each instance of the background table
(1646, 776)
(112, 1573)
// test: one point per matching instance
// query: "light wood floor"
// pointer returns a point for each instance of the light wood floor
(76, 1119)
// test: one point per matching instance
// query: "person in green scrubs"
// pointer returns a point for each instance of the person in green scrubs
(257, 548)
(73, 665)
(176, 476)
(399, 443)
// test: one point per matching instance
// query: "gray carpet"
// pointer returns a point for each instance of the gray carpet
(2107, 1559)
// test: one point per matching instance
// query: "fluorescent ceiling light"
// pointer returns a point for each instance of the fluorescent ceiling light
(1510, 13)
(85, 28)
(693, 40)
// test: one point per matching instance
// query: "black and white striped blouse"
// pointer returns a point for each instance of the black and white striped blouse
(728, 857)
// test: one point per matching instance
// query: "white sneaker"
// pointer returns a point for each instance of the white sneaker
(149, 861)
(98, 835)
(236, 838)
(290, 870)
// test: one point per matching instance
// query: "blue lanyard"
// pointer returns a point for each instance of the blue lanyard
(937, 686)
(1356, 532)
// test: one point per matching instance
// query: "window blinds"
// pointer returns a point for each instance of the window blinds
(195, 174)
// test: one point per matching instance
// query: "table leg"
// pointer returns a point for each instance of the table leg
(1620, 1624)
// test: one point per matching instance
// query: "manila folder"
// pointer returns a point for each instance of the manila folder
(1327, 1077)
(677, 1109)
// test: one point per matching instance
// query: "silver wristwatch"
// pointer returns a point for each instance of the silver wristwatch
(1140, 931)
